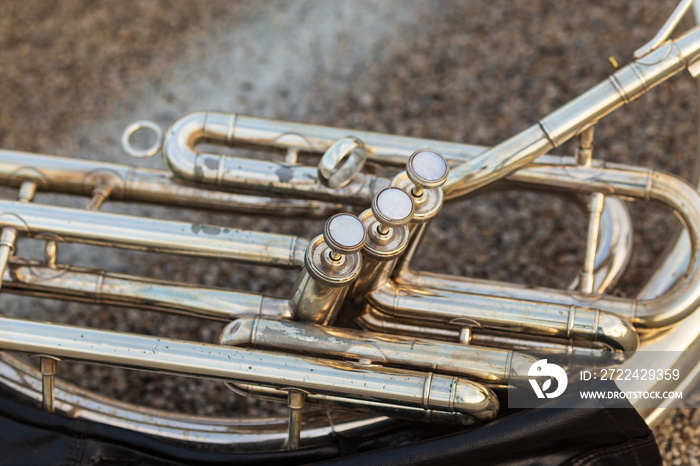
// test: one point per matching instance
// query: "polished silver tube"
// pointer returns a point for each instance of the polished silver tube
(132, 183)
(482, 364)
(359, 406)
(186, 162)
(145, 234)
(595, 209)
(268, 134)
(100, 287)
(570, 352)
(496, 313)
(373, 320)
(625, 85)
(352, 380)
(623, 180)
(614, 246)
(611, 179)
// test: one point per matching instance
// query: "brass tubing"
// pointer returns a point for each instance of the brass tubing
(186, 162)
(131, 183)
(625, 85)
(216, 362)
(359, 406)
(612, 255)
(595, 208)
(478, 363)
(496, 313)
(614, 246)
(7, 245)
(240, 434)
(573, 351)
(100, 287)
(145, 234)
(8, 236)
(373, 320)
(623, 180)
(262, 133)
(609, 179)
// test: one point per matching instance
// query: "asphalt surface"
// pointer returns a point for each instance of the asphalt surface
(74, 74)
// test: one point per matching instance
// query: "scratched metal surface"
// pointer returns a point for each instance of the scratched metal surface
(73, 75)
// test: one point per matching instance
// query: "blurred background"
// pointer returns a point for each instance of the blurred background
(73, 74)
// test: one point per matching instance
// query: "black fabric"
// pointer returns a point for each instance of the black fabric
(572, 437)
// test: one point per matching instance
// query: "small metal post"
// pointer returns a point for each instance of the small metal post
(27, 190)
(465, 336)
(291, 156)
(296, 403)
(584, 152)
(99, 196)
(51, 253)
(47, 367)
(595, 209)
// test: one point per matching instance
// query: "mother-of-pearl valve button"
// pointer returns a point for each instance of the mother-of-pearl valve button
(427, 169)
(392, 207)
(344, 234)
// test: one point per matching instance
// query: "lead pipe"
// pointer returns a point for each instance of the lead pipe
(625, 85)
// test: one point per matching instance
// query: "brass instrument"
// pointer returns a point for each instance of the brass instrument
(363, 335)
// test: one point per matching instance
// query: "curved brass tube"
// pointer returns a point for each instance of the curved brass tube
(611, 179)
(483, 364)
(568, 352)
(489, 312)
(614, 247)
(181, 155)
(132, 183)
(612, 256)
(264, 133)
(334, 403)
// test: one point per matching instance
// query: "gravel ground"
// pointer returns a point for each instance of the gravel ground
(73, 74)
